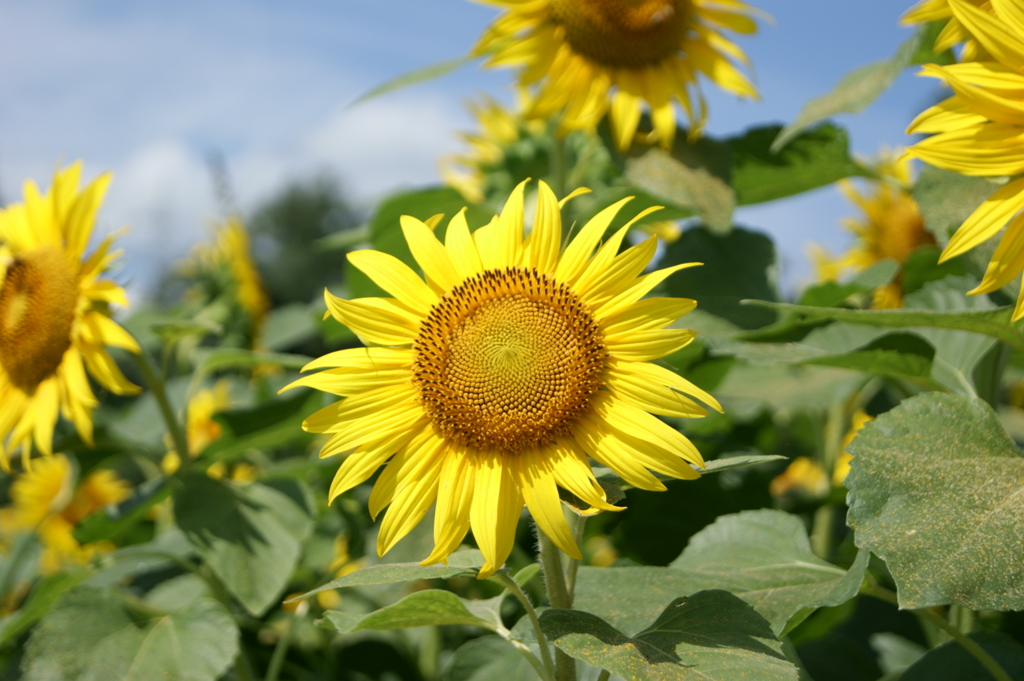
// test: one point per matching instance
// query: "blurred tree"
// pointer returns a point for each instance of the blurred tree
(285, 228)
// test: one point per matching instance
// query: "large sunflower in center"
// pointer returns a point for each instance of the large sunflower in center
(577, 51)
(489, 381)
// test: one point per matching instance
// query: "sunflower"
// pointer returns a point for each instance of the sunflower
(891, 227)
(979, 131)
(225, 264)
(55, 314)
(46, 500)
(201, 430)
(499, 129)
(953, 32)
(494, 377)
(574, 53)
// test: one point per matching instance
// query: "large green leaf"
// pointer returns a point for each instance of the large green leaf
(488, 658)
(763, 556)
(419, 609)
(935, 490)
(250, 536)
(44, 593)
(92, 635)
(694, 176)
(392, 573)
(952, 662)
(737, 265)
(813, 159)
(957, 353)
(856, 89)
(946, 198)
(995, 323)
(711, 635)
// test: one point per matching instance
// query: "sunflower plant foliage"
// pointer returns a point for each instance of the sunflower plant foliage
(550, 418)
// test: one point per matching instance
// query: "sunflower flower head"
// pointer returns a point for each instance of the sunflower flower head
(889, 227)
(55, 314)
(582, 59)
(979, 132)
(488, 381)
(842, 468)
(954, 32)
(201, 430)
(224, 267)
(46, 500)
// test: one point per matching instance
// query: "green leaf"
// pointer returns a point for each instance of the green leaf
(262, 426)
(420, 609)
(952, 662)
(922, 266)
(763, 557)
(737, 265)
(711, 635)
(393, 573)
(994, 323)
(250, 536)
(726, 462)
(488, 658)
(386, 231)
(219, 359)
(47, 590)
(901, 355)
(935, 491)
(183, 328)
(815, 158)
(957, 353)
(687, 178)
(92, 635)
(287, 326)
(854, 91)
(420, 75)
(946, 198)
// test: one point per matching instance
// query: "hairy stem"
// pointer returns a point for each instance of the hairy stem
(531, 612)
(159, 388)
(558, 597)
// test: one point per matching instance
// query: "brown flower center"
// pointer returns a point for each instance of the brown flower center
(623, 33)
(507, 360)
(37, 308)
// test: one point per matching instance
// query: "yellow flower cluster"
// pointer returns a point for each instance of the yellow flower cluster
(979, 131)
(46, 500)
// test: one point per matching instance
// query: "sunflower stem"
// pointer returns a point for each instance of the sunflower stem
(573, 565)
(531, 612)
(558, 597)
(159, 387)
(558, 165)
(969, 644)
(604, 675)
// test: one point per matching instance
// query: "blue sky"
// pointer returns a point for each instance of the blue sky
(149, 89)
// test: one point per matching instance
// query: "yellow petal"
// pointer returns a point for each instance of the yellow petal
(414, 496)
(460, 245)
(454, 500)
(395, 277)
(540, 492)
(574, 260)
(596, 439)
(430, 254)
(647, 345)
(494, 513)
(646, 314)
(373, 323)
(987, 219)
(1008, 260)
(379, 359)
(546, 237)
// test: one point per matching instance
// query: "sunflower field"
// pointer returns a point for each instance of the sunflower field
(553, 417)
